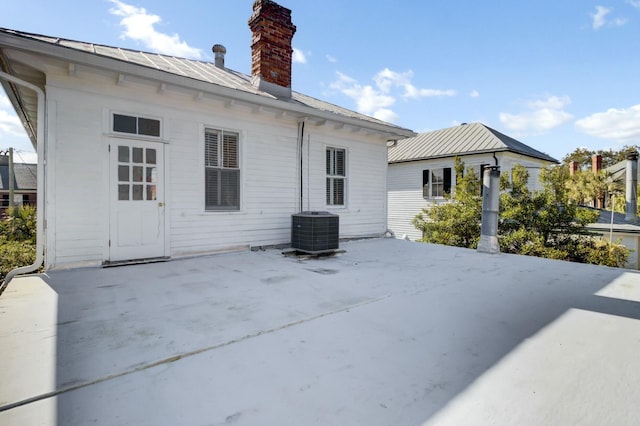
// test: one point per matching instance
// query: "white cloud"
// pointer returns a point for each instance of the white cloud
(388, 79)
(376, 99)
(634, 3)
(551, 102)
(600, 17)
(618, 124)
(10, 124)
(474, 94)
(299, 56)
(412, 92)
(331, 59)
(369, 100)
(139, 25)
(387, 115)
(4, 100)
(12, 133)
(545, 114)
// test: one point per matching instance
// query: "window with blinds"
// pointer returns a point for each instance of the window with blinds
(336, 176)
(222, 170)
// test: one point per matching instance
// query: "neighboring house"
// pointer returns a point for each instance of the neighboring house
(620, 230)
(153, 156)
(24, 184)
(421, 168)
(622, 227)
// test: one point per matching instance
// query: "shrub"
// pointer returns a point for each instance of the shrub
(17, 239)
(19, 224)
(14, 254)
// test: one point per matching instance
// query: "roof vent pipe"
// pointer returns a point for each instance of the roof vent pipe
(490, 210)
(218, 52)
(632, 187)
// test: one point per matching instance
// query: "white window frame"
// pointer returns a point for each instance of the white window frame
(136, 135)
(331, 176)
(435, 190)
(221, 167)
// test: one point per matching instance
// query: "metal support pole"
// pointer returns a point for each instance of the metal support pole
(490, 210)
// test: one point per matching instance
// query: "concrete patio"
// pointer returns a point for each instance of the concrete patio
(387, 333)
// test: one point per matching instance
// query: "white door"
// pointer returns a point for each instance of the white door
(137, 200)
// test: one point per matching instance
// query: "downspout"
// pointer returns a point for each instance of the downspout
(300, 145)
(495, 158)
(40, 181)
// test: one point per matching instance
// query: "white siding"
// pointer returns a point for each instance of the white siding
(78, 170)
(364, 212)
(404, 182)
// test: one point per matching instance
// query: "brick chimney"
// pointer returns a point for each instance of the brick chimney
(574, 166)
(271, 49)
(596, 163)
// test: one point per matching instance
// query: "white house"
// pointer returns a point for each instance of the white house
(149, 156)
(421, 167)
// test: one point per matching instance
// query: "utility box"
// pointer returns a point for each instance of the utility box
(315, 232)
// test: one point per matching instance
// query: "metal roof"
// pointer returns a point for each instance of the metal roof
(199, 71)
(465, 139)
(25, 177)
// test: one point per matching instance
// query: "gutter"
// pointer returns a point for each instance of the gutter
(40, 181)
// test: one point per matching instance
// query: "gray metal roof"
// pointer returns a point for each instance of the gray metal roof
(200, 71)
(464, 139)
(25, 177)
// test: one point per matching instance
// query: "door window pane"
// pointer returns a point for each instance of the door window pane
(137, 192)
(137, 173)
(123, 173)
(151, 174)
(137, 155)
(151, 193)
(123, 192)
(123, 154)
(151, 156)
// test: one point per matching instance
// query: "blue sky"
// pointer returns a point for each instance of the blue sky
(556, 75)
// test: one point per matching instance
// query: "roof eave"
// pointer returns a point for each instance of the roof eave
(115, 65)
(463, 154)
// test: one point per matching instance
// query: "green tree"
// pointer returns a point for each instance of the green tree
(544, 223)
(455, 223)
(582, 156)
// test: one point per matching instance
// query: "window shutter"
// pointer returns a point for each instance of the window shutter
(446, 172)
(425, 183)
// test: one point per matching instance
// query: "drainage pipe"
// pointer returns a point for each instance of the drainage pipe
(300, 145)
(40, 181)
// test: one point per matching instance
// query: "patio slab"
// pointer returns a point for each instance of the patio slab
(390, 332)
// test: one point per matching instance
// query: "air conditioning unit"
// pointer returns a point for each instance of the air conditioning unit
(315, 232)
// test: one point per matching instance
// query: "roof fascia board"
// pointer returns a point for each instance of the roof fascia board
(460, 154)
(467, 154)
(111, 64)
